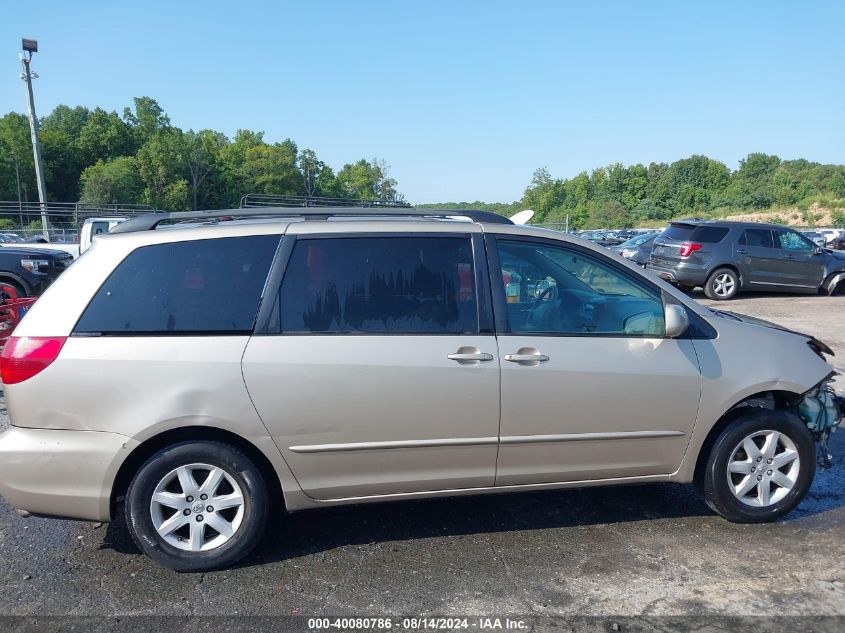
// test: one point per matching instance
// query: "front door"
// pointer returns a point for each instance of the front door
(377, 374)
(591, 387)
(800, 266)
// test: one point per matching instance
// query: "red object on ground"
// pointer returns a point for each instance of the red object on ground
(12, 310)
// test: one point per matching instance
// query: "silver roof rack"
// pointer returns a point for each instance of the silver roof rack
(150, 221)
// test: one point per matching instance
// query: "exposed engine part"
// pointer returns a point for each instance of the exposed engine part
(822, 411)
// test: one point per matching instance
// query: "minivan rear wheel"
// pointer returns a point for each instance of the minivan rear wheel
(760, 467)
(197, 506)
(723, 283)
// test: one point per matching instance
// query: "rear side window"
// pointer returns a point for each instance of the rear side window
(709, 234)
(679, 232)
(696, 233)
(757, 237)
(198, 287)
(378, 285)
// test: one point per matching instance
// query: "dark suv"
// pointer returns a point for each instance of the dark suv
(27, 272)
(726, 257)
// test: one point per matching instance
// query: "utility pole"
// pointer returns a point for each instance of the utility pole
(30, 47)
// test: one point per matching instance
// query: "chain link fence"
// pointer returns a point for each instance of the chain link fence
(24, 221)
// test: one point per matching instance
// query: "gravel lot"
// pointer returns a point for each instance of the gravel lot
(642, 551)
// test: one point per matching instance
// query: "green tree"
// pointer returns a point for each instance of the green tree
(367, 180)
(114, 182)
(272, 169)
(16, 148)
(607, 214)
(105, 136)
(161, 163)
(318, 179)
(203, 161)
(63, 164)
(147, 118)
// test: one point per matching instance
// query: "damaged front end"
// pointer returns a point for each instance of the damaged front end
(822, 410)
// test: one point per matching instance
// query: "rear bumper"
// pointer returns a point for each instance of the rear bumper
(61, 473)
(680, 273)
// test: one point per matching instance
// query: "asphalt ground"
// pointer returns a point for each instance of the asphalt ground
(647, 551)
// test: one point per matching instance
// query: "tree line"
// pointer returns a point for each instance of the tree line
(139, 157)
(618, 196)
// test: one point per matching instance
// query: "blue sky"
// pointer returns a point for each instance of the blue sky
(463, 99)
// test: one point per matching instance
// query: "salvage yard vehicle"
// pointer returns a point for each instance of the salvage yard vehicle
(637, 248)
(197, 372)
(728, 257)
(27, 272)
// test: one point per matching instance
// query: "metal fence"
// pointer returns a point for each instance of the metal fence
(269, 200)
(64, 219)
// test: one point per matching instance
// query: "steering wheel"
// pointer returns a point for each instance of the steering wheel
(550, 292)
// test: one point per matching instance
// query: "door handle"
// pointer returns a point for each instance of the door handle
(480, 356)
(790, 256)
(741, 251)
(469, 355)
(527, 356)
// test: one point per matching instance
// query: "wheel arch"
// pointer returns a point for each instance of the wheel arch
(152, 445)
(833, 281)
(778, 400)
(736, 269)
(17, 280)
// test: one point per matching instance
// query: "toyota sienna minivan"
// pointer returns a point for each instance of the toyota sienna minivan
(196, 372)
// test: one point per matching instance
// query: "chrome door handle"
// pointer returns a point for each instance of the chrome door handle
(527, 356)
(470, 355)
(480, 356)
(741, 251)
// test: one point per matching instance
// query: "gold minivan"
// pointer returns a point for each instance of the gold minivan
(197, 371)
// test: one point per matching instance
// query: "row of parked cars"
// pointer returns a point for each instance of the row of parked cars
(725, 258)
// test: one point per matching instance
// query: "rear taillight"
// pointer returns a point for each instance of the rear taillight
(24, 357)
(688, 248)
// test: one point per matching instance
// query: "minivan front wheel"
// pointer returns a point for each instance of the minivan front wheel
(723, 283)
(760, 467)
(197, 506)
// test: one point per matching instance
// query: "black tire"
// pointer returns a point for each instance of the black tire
(712, 285)
(836, 291)
(236, 465)
(716, 488)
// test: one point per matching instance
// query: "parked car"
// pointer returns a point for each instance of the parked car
(268, 363)
(91, 228)
(830, 235)
(816, 237)
(728, 257)
(637, 248)
(625, 234)
(599, 237)
(27, 272)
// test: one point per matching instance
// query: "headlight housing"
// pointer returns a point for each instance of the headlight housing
(35, 265)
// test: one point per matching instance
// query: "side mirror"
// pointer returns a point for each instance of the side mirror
(817, 250)
(676, 319)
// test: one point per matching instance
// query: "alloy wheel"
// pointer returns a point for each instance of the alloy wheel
(197, 507)
(763, 468)
(723, 285)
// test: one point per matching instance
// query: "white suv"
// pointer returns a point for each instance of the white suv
(199, 371)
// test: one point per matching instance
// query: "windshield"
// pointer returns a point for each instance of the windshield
(638, 240)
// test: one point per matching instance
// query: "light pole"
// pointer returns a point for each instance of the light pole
(30, 47)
